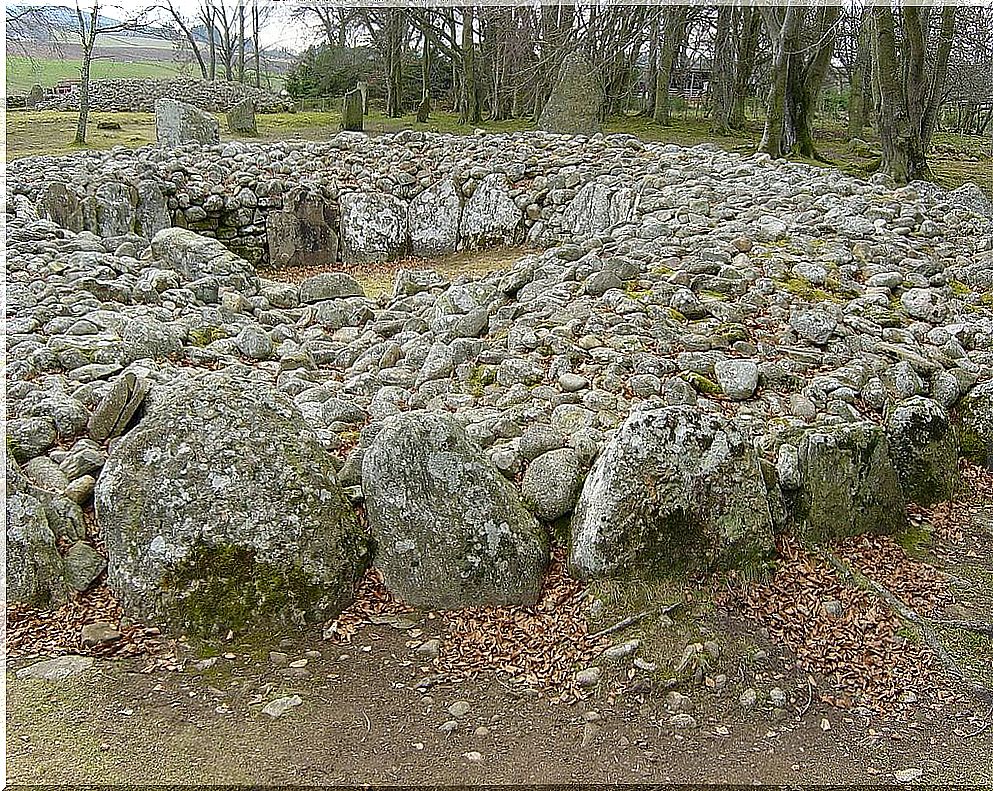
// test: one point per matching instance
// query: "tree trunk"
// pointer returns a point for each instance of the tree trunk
(860, 74)
(672, 46)
(782, 34)
(84, 96)
(470, 98)
(208, 19)
(909, 96)
(803, 104)
(87, 40)
(722, 79)
(241, 41)
(255, 43)
(748, 46)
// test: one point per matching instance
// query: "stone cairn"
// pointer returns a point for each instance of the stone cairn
(710, 350)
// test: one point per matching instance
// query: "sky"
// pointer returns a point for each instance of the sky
(278, 30)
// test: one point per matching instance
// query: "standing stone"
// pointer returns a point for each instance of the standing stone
(924, 450)
(152, 211)
(241, 118)
(434, 218)
(674, 490)
(351, 111)
(373, 227)
(178, 123)
(304, 234)
(363, 89)
(35, 570)
(574, 106)
(220, 510)
(116, 204)
(450, 530)
(35, 95)
(61, 205)
(975, 424)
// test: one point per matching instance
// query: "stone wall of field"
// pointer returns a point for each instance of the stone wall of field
(139, 95)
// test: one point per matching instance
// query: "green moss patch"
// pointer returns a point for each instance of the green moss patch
(217, 588)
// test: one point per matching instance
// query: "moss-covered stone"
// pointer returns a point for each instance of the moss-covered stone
(924, 450)
(848, 484)
(217, 588)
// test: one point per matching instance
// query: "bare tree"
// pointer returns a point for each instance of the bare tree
(89, 27)
(187, 32)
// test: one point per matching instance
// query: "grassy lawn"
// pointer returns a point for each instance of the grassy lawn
(24, 72)
(955, 159)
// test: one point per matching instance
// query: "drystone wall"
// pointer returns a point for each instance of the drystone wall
(139, 96)
(713, 349)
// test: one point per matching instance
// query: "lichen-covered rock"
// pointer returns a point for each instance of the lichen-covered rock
(35, 571)
(848, 484)
(552, 482)
(596, 207)
(116, 409)
(304, 233)
(434, 218)
(574, 105)
(179, 123)
(674, 489)
(450, 530)
(220, 511)
(975, 424)
(490, 216)
(373, 227)
(329, 285)
(924, 450)
(241, 118)
(194, 257)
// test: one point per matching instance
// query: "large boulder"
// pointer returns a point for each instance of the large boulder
(975, 424)
(178, 123)
(675, 489)
(924, 450)
(450, 530)
(847, 484)
(490, 216)
(220, 510)
(574, 105)
(596, 207)
(434, 218)
(194, 257)
(373, 227)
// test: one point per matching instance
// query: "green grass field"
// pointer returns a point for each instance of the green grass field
(24, 72)
(955, 158)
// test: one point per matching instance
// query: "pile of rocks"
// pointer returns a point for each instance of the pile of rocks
(750, 347)
(139, 95)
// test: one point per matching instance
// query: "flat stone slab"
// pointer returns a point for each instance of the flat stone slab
(58, 669)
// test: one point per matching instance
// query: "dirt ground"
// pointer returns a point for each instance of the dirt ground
(363, 721)
(754, 685)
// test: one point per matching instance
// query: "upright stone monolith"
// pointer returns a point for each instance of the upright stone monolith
(351, 111)
(178, 123)
(574, 106)
(35, 95)
(241, 118)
